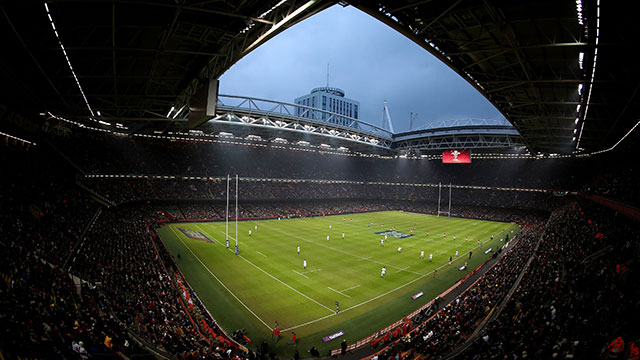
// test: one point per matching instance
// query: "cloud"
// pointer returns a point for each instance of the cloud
(368, 60)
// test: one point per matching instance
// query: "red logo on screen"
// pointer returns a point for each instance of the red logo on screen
(456, 156)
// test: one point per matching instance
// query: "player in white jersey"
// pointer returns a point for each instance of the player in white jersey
(327, 237)
(384, 271)
(430, 257)
(399, 249)
(422, 254)
(304, 264)
(343, 236)
(298, 250)
(382, 242)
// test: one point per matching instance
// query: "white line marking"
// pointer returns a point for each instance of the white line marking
(339, 292)
(338, 250)
(300, 274)
(332, 313)
(221, 283)
(376, 297)
(234, 239)
(283, 283)
(261, 253)
(353, 287)
(311, 271)
(206, 233)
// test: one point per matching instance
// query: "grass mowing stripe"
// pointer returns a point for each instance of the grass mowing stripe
(274, 278)
(338, 250)
(274, 250)
(215, 277)
(374, 298)
(283, 283)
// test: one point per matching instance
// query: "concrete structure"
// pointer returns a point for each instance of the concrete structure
(330, 100)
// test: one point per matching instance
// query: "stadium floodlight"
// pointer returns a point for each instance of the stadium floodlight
(170, 111)
(226, 134)
(177, 112)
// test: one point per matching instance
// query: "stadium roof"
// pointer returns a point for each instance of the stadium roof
(562, 73)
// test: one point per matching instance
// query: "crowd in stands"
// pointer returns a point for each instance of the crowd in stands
(149, 156)
(578, 295)
(575, 298)
(141, 291)
(122, 190)
(44, 311)
(79, 289)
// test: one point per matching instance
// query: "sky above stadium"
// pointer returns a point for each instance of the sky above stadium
(368, 60)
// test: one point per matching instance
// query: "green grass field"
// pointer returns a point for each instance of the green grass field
(266, 282)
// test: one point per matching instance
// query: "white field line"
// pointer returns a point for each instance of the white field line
(353, 287)
(301, 274)
(338, 250)
(311, 271)
(349, 308)
(268, 274)
(339, 292)
(261, 253)
(283, 283)
(230, 237)
(378, 296)
(219, 281)
(209, 235)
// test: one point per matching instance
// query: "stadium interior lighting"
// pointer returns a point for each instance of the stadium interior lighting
(170, 111)
(254, 137)
(302, 142)
(279, 25)
(581, 60)
(64, 52)
(177, 112)
(17, 138)
(98, 112)
(579, 11)
(593, 69)
(104, 123)
(226, 134)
